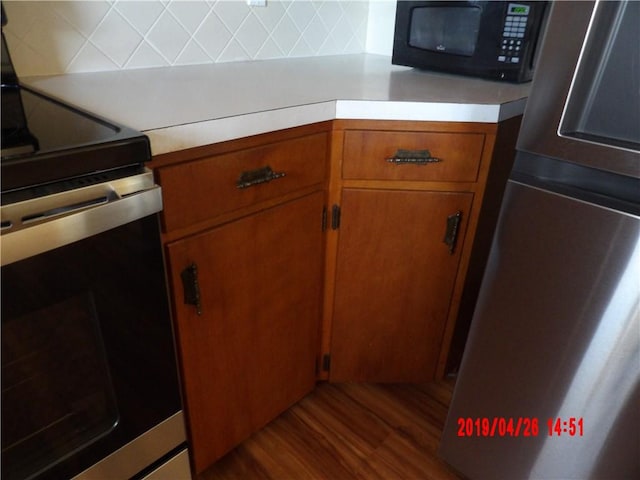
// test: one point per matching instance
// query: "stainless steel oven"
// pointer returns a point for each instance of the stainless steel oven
(89, 377)
(88, 363)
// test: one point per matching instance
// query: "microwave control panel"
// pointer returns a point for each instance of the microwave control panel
(513, 33)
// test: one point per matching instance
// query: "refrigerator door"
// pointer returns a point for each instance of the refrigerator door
(549, 385)
(584, 106)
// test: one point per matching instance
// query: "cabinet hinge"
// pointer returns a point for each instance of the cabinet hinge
(335, 217)
(324, 218)
(451, 234)
(326, 362)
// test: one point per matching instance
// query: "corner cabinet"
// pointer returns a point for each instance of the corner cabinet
(407, 200)
(244, 246)
(342, 251)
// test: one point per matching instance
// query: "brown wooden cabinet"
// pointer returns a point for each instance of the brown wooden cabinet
(251, 352)
(270, 294)
(394, 279)
(409, 198)
(246, 273)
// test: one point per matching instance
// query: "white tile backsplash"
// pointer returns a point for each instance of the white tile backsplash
(56, 37)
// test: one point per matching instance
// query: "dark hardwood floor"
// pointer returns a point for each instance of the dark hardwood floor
(348, 431)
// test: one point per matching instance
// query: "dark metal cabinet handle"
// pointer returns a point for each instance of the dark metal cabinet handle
(451, 234)
(416, 157)
(191, 287)
(255, 177)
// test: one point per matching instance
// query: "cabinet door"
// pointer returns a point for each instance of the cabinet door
(394, 281)
(251, 352)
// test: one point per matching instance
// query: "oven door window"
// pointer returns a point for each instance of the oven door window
(54, 358)
(450, 30)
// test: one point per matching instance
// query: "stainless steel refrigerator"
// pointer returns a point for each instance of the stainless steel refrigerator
(549, 385)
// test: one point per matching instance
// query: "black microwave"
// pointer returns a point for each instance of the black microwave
(490, 39)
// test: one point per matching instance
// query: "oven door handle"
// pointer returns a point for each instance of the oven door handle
(39, 225)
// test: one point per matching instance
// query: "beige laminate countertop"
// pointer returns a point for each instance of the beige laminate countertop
(188, 106)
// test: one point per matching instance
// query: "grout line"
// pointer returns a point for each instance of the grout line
(300, 25)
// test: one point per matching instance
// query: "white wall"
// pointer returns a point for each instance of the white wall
(47, 38)
(381, 23)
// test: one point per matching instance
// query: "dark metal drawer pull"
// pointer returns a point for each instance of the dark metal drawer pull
(255, 177)
(417, 157)
(451, 235)
(191, 287)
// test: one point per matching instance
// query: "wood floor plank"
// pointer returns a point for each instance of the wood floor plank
(398, 458)
(348, 431)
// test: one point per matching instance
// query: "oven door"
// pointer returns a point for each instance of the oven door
(88, 363)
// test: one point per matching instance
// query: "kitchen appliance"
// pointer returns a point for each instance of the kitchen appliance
(89, 377)
(491, 39)
(549, 385)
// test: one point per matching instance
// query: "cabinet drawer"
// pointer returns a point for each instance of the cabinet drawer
(367, 153)
(202, 189)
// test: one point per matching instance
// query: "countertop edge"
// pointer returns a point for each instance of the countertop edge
(182, 137)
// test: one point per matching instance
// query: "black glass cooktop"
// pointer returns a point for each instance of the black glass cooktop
(51, 121)
(45, 141)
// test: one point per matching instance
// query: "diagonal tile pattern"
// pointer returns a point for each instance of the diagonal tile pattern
(55, 37)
